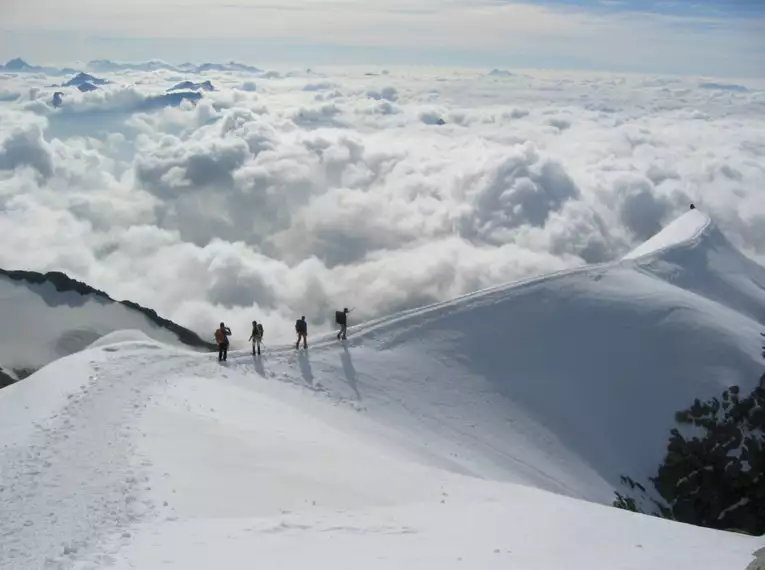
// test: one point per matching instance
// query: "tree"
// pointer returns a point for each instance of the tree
(714, 476)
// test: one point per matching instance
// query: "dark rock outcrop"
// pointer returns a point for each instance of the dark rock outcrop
(63, 283)
(5, 378)
(83, 78)
(191, 86)
(168, 100)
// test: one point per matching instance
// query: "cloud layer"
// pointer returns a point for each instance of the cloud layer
(280, 194)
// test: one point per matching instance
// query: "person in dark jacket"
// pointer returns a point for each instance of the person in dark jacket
(341, 318)
(257, 336)
(221, 337)
(301, 327)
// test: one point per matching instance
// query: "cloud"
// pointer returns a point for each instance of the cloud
(274, 203)
(25, 147)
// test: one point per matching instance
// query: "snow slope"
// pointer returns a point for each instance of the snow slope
(565, 382)
(144, 456)
(429, 439)
(41, 323)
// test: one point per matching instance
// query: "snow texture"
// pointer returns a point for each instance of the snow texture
(476, 433)
(681, 231)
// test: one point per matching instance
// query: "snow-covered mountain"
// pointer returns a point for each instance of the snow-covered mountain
(485, 432)
(84, 78)
(106, 66)
(50, 316)
(18, 65)
(191, 86)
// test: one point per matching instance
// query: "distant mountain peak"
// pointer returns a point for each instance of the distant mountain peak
(17, 64)
(82, 78)
(105, 65)
(191, 86)
(500, 73)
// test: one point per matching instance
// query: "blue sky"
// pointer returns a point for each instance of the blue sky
(720, 8)
(701, 37)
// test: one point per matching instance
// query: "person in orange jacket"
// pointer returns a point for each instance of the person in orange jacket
(221, 337)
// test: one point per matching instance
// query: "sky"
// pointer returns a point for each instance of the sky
(705, 37)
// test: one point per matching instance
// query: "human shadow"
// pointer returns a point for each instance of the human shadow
(256, 360)
(305, 368)
(350, 371)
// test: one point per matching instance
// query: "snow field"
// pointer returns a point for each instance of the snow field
(488, 432)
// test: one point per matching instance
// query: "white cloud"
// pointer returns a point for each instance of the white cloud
(271, 204)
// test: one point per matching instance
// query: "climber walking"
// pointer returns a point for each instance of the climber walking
(257, 336)
(221, 337)
(301, 327)
(341, 318)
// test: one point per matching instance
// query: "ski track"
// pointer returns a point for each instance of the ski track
(41, 526)
(370, 329)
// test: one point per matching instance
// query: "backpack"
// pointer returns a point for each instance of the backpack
(340, 317)
(300, 326)
(260, 330)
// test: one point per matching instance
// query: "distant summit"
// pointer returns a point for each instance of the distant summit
(230, 66)
(169, 100)
(19, 64)
(83, 78)
(84, 82)
(500, 73)
(191, 86)
(107, 66)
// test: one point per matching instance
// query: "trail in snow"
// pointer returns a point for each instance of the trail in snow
(682, 233)
(74, 476)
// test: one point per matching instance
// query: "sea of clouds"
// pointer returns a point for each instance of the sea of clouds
(286, 193)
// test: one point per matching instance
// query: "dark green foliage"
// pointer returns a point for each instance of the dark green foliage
(626, 503)
(716, 476)
(717, 480)
(64, 283)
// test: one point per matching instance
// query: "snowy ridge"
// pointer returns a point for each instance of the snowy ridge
(683, 231)
(52, 316)
(454, 436)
